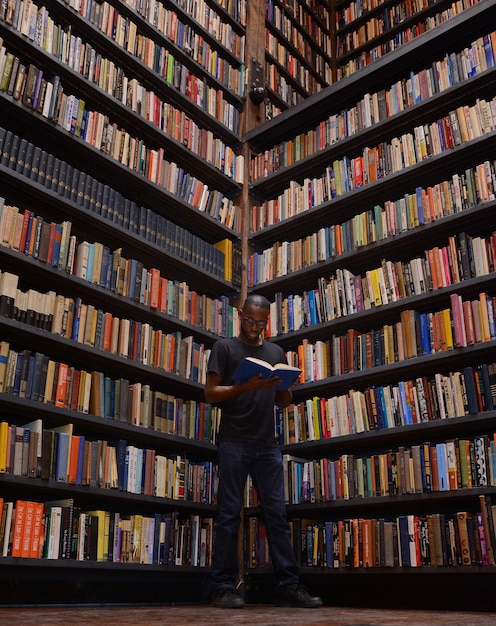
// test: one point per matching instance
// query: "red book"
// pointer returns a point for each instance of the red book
(28, 530)
(447, 132)
(446, 265)
(492, 248)
(61, 389)
(18, 528)
(431, 213)
(372, 165)
(434, 472)
(73, 460)
(484, 317)
(51, 241)
(468, 319)
(201, 421)
(358, 171)
(136, 347)
(37, 531)
(107, 331)
(339, 479)
(460, 338)
(158, 352)
(368, 559)
(154, 288)
(163, 294)
(453, 255)
(323, 418)
(475, 304)
(195, 200)
(32, 239)
(193, 312)
(411, 392)
(149, 472)
(434, 269)
(24, 232)
(76, 381)
(350, 364)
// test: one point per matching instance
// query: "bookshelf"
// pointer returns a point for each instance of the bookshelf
(139, 163)
(120, 174)
(372, 405)
(298, 57)
(367, 32)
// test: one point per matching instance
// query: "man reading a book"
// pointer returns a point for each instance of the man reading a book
(247, 445)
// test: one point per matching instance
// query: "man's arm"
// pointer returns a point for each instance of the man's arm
(215, 392)
(284, 398)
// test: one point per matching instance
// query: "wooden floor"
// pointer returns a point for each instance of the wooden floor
(251, 615)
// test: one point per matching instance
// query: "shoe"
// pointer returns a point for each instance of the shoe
(297, 596)
(227, 599)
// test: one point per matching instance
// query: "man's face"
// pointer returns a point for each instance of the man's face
(253, 323)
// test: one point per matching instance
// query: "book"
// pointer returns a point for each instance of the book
(252, 366)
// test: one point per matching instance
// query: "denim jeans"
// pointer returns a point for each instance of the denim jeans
(236, 461)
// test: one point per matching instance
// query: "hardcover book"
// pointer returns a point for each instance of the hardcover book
(252, 366)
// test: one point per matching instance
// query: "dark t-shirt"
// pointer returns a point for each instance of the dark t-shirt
(249, 416)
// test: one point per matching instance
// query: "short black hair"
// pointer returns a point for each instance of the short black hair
(256, 299)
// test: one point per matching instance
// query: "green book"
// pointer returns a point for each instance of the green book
(7, 70)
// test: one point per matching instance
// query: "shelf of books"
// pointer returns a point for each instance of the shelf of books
(119, 182)
(297, 52)
(373, 227)
(367, 32)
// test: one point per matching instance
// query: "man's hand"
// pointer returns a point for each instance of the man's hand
(257, 382)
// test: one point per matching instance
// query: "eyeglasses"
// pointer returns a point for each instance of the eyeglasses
(252, 322)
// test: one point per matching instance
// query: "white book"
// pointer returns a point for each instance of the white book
(48, 99)
(8, 526)
(55, 518)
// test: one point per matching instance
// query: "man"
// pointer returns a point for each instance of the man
(247, 445)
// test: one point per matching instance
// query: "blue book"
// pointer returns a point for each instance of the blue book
(79, 473)
(425, 339)
(404, 540)
(56, 245)
(312, 307)
(139, 471)
(30, 376)
(470, 386)
(107, 387)
(120, 446)
(420, 205)
(91, 261)
(328, 544)
(105, 273)
(62, 456)
(490, 315)
(405, 407)
(132, 279)
(380, 407)
(21, 357)
(488, 50)
(77, 318)
(251, 366)
(125, 476)
(442, 467)
(290, 313)
(331, 472)
(486, 386)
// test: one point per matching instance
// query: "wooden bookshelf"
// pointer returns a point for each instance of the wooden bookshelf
(323, 399)
(151, 226)
(298, 57)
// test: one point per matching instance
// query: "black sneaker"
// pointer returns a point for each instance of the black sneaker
(297, 596)
(227, 599)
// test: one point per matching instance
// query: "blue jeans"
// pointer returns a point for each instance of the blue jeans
(236, 461)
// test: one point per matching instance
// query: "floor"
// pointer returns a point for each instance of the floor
(252, 615)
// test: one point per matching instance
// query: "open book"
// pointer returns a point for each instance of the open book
(251, 366)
